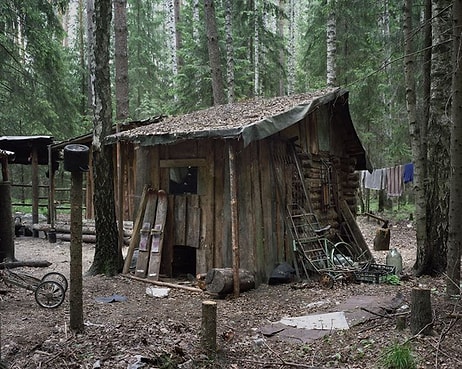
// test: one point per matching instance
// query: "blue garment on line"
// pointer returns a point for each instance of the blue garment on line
(408, 175)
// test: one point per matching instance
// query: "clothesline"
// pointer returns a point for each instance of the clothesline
(391, 179)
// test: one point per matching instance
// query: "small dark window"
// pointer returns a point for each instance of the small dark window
(183, 180)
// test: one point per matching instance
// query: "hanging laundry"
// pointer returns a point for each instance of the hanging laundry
(395, 180)
(375, 180)
(408, 173)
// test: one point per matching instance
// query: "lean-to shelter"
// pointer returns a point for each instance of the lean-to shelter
(294, 151)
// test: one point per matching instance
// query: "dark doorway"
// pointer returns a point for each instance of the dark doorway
(184, 261)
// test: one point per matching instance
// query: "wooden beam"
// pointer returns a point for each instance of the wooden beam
(234, 217)
(180, 163)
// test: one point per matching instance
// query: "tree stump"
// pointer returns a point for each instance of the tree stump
(421, 311)
(220, 281)
(382, 239)
(209, 327)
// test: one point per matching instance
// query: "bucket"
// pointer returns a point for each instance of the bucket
(76, 158)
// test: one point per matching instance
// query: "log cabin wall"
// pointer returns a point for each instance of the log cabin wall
(198, 229)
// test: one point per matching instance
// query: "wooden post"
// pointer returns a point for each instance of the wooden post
(209, 327)
(51, 198)
(6, 226)
(120, 193)
(75, 290)
(35, 189)
(421, 311)
(234, 217)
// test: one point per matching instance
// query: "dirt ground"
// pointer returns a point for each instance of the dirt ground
(149, 332)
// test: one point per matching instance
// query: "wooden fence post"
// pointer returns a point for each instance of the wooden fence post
(209, 327)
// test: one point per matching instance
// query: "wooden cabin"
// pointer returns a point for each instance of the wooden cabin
(261, 157)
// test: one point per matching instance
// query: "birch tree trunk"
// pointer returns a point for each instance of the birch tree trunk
(108, 258)
(292, 48)
(214, 53)
(121, 93)
(431, 258)
(256, 51)
(229, 50)
(173, 38)
(84, 107)
(331, 34)
(196, 19)
(282, 59)
(455, 204)
(176, 20)
(90, 52)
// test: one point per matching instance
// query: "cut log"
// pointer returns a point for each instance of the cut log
(382, 239)
(18, 264)
(66, 228)
(421, 311)
(220, 281)
(86, 238)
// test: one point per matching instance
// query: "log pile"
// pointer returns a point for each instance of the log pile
(63, 231)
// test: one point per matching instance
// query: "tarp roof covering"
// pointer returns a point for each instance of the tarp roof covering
(250, 120)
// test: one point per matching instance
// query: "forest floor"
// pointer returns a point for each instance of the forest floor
(150, 332)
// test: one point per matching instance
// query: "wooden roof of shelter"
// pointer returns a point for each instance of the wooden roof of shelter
(87, 138)
(22, 147)
(250, 120)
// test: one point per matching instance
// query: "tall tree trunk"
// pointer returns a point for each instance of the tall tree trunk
(415, 125)
(214, 53)
(292, 48)
(282, 58)
(83, 66)
(172, 26)
(176, 18)
(455, 204)
(121, 59)
(420, 155)
(256, 50)
(229, 50)
(108, 258)
(90, 52)
(431, 259)
(331, 40)
(121, 93)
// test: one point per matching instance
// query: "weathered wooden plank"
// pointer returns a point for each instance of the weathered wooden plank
(136, 230)
(175, 163)
(219, 223)
(246, 235)
(193, 221)
(269, 259)
(144, 244)
(180, 220)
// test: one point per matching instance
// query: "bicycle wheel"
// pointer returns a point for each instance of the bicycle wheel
(57, 277)
(49, 294)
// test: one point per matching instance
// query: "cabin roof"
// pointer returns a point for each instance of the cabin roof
(250, 120)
